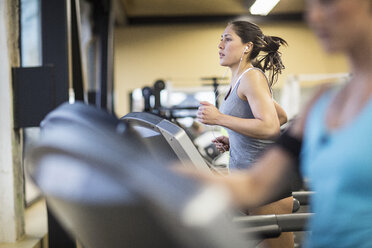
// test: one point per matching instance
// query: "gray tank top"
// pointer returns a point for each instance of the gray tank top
(244, 150)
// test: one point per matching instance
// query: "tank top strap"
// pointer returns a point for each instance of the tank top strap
(240, 77)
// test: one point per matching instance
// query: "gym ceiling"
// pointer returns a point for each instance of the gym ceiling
(147, 12)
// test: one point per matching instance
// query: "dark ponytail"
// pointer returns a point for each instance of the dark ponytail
(265, 54)
(270, 58)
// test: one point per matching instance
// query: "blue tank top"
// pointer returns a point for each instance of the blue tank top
(338, 165)
(244, 150)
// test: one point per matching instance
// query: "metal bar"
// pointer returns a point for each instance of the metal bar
(286, 222)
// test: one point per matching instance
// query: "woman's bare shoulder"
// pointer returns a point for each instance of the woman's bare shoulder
(254, 79)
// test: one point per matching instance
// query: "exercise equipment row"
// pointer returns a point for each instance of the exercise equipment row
(175, 112)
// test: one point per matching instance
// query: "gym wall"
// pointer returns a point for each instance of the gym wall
(184, 53)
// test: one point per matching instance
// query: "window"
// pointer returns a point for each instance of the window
(30, 33)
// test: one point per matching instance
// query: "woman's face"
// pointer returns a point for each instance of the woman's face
(339, 24)
(230, 48)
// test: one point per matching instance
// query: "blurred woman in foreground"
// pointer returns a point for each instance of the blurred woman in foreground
(332, 138)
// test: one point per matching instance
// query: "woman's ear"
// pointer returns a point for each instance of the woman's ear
(248, 47)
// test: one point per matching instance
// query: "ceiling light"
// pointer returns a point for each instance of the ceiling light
(263, 7)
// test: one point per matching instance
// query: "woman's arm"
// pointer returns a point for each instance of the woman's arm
(253, 88)
(282, 115)
(260, 184)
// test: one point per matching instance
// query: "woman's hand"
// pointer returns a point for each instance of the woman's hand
(208, 113)
(222, 143)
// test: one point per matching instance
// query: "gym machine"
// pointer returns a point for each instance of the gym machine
(156, 130)
(104, 184)
(174, 112)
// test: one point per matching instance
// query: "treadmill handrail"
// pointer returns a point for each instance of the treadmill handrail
(286, 222)
(174, 135)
